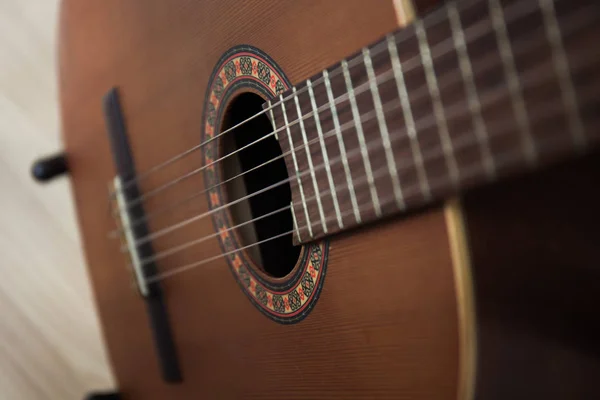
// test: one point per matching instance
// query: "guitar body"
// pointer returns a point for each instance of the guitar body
(489, 297)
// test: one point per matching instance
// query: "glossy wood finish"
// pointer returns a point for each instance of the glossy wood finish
(386, 322)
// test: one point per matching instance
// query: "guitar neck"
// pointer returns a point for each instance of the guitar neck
(473, 92)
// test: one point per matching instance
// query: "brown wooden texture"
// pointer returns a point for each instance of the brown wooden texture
(449, 150)
(535, 264)
(386, 323)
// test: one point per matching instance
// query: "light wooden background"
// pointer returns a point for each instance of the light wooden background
(50, 341)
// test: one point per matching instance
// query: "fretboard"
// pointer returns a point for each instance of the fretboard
(473, 92)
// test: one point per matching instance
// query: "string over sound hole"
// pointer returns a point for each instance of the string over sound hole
(276, 257)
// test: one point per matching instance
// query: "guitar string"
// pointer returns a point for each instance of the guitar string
(334, 161)
(461, 143)
(505, 158)
(363, 88)
(489, 97)
(429, 21)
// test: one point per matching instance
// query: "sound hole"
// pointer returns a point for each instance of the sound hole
(276, 257)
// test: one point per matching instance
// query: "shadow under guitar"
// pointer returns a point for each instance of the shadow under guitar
(535, 248)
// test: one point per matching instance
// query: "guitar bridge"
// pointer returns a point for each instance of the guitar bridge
(131, 216)
(127, 238)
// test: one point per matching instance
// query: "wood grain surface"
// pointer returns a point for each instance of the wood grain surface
(50, 343)
(386, 322)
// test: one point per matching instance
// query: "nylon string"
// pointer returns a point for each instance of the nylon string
(463, 141)
(396, 135)
(446, 45)
(505, 158)
(452, 112)
(430, 20)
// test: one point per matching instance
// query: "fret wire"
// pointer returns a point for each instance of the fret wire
(561, 65)
(572, 25)
(297, 172)
(408, 118)
(438, 107)
(361, 138)
(295, 221)
(272, 118)
(310, 163)
(334, 198)
(340, 139)
(471, 90)
(383, 129)
(503, 158)
(520, 49)
(512, 79)
(534, 77)
(400, 36)
(379, 48)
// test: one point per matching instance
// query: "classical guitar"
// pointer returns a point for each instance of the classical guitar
(338, 199)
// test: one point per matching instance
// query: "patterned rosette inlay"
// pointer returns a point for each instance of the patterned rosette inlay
(289, 300)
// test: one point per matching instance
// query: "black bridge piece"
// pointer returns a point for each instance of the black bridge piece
(157, 311)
